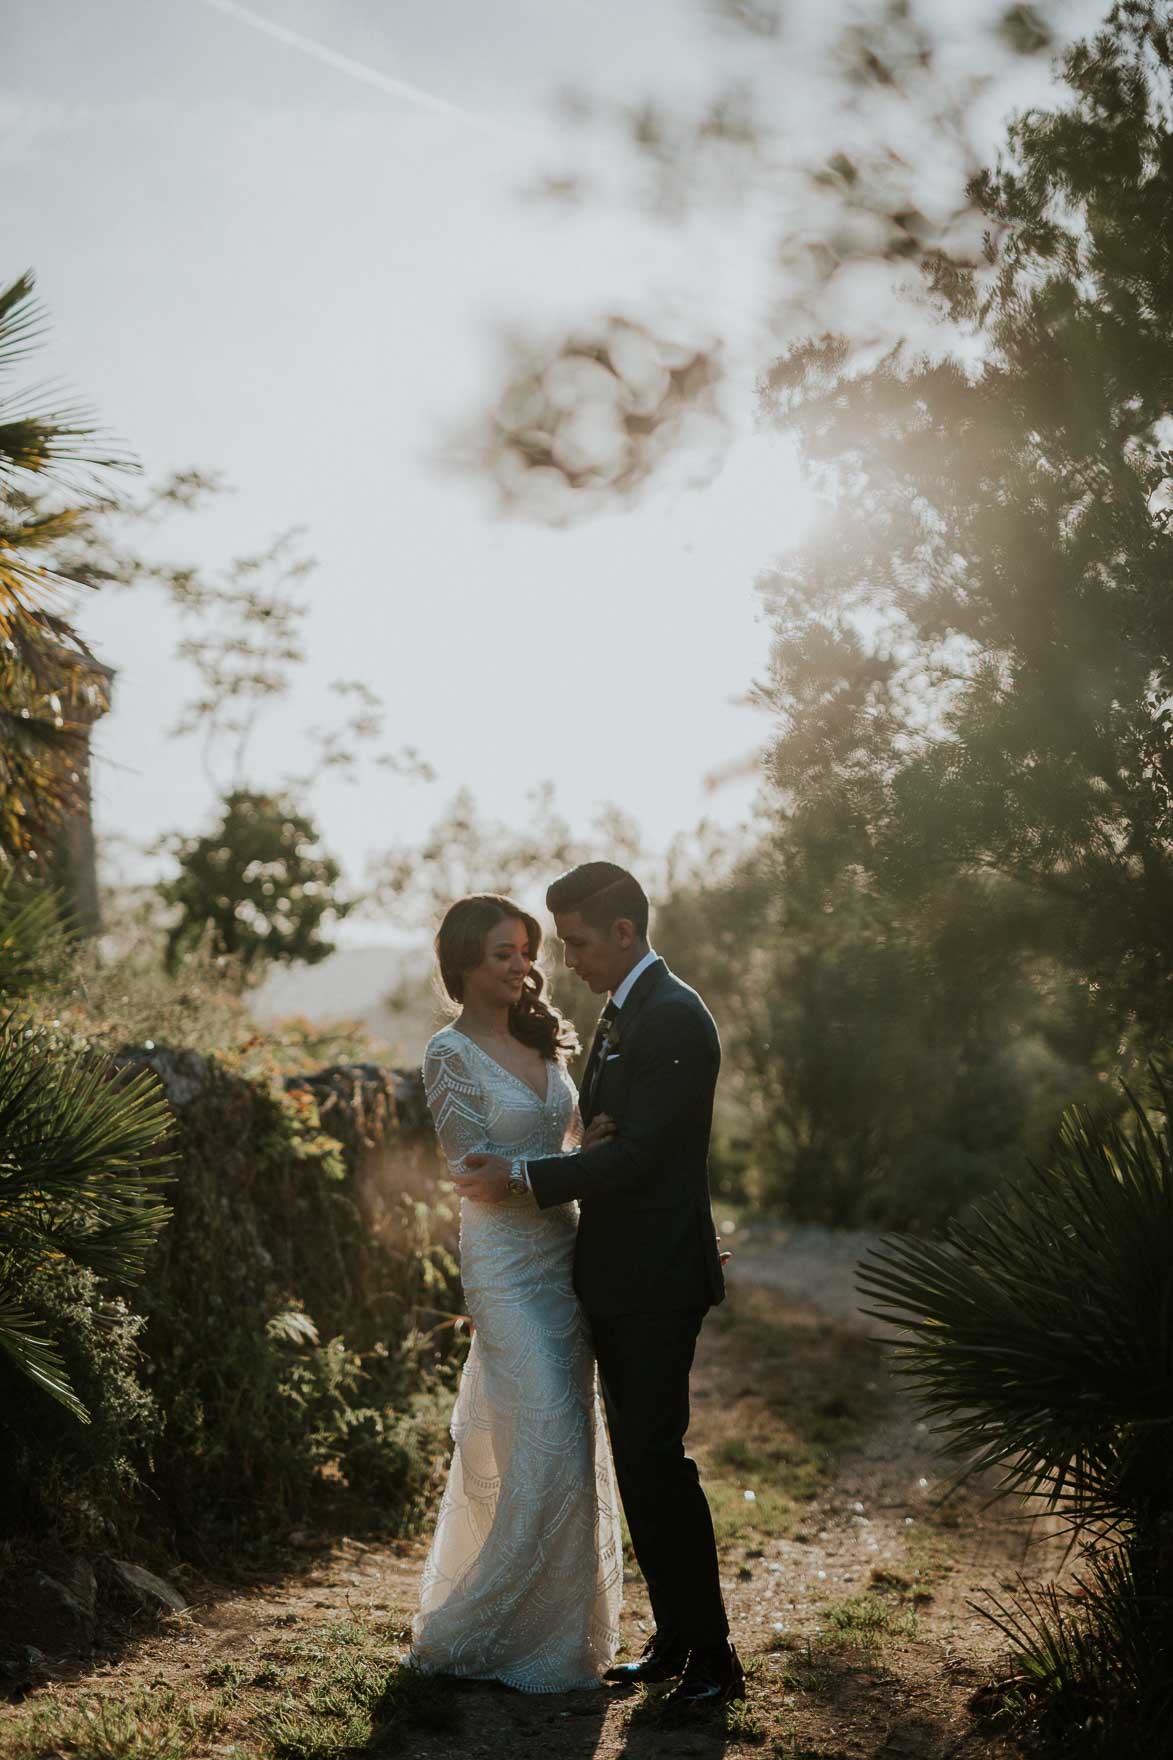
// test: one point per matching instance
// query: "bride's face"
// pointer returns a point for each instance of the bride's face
(505, 965)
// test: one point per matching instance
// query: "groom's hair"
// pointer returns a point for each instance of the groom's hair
(601, 892)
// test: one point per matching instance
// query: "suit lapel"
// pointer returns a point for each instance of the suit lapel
(644, 987)
(590, 1073)
(641, 990)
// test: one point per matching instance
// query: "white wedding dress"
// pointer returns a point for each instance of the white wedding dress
(524, 1577)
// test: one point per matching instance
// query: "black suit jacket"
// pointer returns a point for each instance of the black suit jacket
(646, 1240)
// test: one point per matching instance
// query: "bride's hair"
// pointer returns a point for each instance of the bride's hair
(460, 946)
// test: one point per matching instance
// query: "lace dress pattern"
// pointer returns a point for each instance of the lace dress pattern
(524, 1577)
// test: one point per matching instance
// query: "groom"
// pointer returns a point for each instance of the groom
(646, 1265)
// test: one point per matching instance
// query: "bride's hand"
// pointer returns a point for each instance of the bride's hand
(600, 1128)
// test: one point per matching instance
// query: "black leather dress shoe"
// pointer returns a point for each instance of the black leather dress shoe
(713, 1677)
(661, 1661)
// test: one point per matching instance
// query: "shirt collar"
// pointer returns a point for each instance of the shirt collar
(619, 997)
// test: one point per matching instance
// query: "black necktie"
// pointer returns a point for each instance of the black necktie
(595, 1060)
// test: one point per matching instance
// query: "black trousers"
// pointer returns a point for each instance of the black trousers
(644, 1362)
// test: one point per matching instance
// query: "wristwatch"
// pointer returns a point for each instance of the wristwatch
(518, 1184)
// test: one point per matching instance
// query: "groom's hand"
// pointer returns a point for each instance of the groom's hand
(485, 1178)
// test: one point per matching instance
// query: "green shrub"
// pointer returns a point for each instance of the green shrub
(63, 1477)
(289, 1351)
(83, 1150)
(286, 1337)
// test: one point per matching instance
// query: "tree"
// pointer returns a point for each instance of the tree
(82, 1151)
(51, 687)
(258, 884)
(884, 1063)
(841, 191)
(953, 921)
(973, 668)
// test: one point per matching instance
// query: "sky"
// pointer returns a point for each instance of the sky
(283, 243)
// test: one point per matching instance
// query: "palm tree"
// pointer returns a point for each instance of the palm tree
(1039, 1336)
(82, 1148)
(51, 688)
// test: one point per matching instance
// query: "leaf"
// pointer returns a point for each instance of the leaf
(24, 1343)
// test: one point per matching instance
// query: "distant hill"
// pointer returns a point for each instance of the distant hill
(388, 989)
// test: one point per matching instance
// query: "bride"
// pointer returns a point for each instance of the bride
(524, 1576)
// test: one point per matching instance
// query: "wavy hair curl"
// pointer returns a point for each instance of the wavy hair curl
(460, 946)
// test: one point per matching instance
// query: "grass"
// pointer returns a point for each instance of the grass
(869, 1620)
(809, 1670)
(338, 1692)
(863, 1622)
(773, 1430)
(150, 1723)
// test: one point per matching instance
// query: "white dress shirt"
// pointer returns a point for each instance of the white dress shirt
(619, 997)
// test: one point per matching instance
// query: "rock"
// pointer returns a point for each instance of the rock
(183, 1074)
(77, 1574)
(53, 1618)
(143, 1587)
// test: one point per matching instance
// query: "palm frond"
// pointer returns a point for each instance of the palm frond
(22, 321)
(82, 1153)
(1093, 1660)
(51, 690)
(39, 436)
(1037, 1335)
(24, 1343)
(34, 936)
(291, 1326)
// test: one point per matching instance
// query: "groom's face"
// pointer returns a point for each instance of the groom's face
(602, 958)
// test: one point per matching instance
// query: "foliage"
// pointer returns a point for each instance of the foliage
(280, 1332)
(82, 1153)
(595, 417)
(957, 916)
(115, 990)
(881, 1062)
(287, 1349)
(82, 1156)
(245, 622)
(34, 936)
(465, 853)
(80, 1481)
(827, 199)
(1038, 1337)
(973, 666)
(1032, 1323)
(51, 687)
(257, 884)
(313, 1269)
(1093, 1686)
(245, 652)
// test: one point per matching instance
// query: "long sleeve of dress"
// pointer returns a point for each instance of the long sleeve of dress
(456, 1101)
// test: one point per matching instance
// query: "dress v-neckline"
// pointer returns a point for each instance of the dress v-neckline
(542, 1099)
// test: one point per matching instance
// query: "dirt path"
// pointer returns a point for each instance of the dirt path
(848, 1584)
